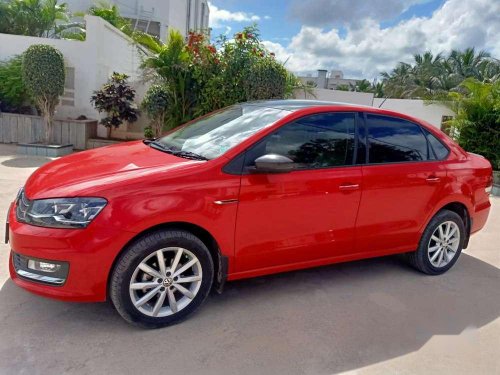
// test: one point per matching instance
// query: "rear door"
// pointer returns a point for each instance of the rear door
(310, 213)
(402, 182)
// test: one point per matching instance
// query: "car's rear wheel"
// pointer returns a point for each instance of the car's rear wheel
(440, 245)
(162, 278)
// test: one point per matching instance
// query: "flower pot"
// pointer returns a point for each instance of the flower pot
(39, 149)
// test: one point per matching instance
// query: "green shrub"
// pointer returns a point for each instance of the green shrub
(116, 99)
(155, 104)
(44, 76)
(266, 79)
(476, 126)
(13, 92)
(200, 78)
(148, 132)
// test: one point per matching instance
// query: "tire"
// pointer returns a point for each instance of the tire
(427, 257)
(142, 291)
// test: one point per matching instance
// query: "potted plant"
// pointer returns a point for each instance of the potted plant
(44, 75)
(116, 99)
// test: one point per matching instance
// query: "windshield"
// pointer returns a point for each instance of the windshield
(212, 136)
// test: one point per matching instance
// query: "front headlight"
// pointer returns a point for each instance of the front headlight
(59, 212)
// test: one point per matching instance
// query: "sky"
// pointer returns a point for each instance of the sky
(361, 37)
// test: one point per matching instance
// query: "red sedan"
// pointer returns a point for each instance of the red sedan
(250, 190)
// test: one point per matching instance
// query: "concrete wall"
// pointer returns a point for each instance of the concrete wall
(432, 113)
(361, 98)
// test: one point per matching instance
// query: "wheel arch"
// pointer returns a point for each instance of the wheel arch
(461, 210)
(220, 261)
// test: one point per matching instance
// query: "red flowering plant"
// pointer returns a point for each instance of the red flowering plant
(201, 77)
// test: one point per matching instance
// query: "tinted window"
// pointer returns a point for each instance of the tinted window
(394, 140)
(440, 151)
(318, 141)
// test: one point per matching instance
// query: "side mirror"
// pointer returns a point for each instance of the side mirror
(274, 163)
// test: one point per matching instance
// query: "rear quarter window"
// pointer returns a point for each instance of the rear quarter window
(440, 150)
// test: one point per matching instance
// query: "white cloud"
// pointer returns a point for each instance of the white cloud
(367, 49)
(220, 16)
(333, 12)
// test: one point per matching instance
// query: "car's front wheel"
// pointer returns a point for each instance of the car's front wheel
(162, 278)
(440, 245)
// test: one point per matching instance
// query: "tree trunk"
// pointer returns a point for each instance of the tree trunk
(47, 120)
(108, 132)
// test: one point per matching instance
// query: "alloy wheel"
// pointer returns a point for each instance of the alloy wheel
(165, 282)
(443, 244)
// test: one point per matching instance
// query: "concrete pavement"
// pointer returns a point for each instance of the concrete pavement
(370, 317)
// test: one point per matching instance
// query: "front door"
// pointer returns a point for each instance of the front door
(305, 215)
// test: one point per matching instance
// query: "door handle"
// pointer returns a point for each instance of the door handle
(348, 187)
(432, 179)
(226, 201)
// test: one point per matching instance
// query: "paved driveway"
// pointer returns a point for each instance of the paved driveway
(374, 316)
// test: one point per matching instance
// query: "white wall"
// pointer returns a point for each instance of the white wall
(197, 20)
(361, 98)
(432, 113)
(105, 50)
(177, 16)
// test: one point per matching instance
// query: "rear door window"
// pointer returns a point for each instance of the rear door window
(394, 140)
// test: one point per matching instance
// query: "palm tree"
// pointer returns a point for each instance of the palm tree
(432, 76)
(363, 86)
(169, 68)
(468, 63)
(111, 13)
(398, 83)
(32, 17)
(343, 88)
(378, 89)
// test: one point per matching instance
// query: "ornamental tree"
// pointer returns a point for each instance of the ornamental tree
(116, 99)
(44, 76)
(155, 104)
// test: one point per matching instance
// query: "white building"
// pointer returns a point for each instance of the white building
(330, 81)
(157, 17)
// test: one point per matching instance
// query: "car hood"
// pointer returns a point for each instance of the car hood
(88, 172)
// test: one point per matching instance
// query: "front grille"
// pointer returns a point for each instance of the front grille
(23, 205)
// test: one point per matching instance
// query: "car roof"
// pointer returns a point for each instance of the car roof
(298, 104)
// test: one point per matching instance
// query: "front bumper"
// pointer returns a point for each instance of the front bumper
(89, 253)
